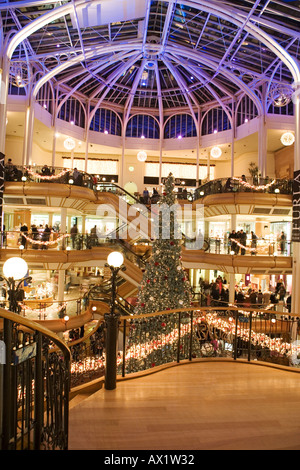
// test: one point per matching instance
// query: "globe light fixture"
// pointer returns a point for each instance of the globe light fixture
(216, 152)
(115, 259)
(287, 139)
(142, 156)
(69, 144)
(15, 268)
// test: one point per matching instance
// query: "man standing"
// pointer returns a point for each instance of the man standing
(74, 231)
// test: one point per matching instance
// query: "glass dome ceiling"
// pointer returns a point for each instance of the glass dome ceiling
(152, 55)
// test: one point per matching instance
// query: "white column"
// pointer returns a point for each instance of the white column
(197, 170)
(262, 147)
(54, 145)
(296, 245)
(63, 223)
(61, 285)
(233, 222)
(160, 158)
(208, 166)
(29, 133)
(3, 101)
(232, 153)
(122, 166)
(86, 154)
(63, 219)
(231, 288)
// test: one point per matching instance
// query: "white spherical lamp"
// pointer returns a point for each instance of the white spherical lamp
(115, 259)
(69, 144)
(142, 156)
(287, 138)
(216, 152)
(16, 268)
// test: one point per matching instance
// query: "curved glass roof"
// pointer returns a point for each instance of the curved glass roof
(155, 56)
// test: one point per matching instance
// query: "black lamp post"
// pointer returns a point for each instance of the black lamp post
(15, 273)
(114, 262)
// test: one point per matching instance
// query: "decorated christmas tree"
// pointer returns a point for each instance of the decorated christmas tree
(160, 339)
(165, 284)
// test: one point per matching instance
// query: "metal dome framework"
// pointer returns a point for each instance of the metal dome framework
(178, 55)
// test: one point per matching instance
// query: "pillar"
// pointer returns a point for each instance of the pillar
(262, 147)
(160, 159)
(232, 153)
(296, 244)
(3, 101)
(233, 222)
(208, 166)
(231, 288)
(122, 166)
(54, 148)
(61, 285)
(63, 223)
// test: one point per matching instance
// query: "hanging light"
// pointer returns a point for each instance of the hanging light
(287, 138)
(216, 152)
(69, 144)
(142, 156)
(281, 95)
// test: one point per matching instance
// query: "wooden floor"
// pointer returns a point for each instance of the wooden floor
(198, 406)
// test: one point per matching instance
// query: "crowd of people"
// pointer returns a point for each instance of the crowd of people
(35, 234)
(216, 294)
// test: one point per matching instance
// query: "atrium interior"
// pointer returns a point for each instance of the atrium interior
(110, 112)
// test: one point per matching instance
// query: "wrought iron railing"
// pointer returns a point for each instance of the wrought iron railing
(229, 332)
(38, 174)
(35, 385)
(229, 185)
(262, 246)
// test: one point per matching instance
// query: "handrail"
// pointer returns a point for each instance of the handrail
(36, 383)
(230, 184)
(32, 325)
(204, 309)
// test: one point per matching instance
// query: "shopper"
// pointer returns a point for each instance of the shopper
(74, 232)
(24, 233)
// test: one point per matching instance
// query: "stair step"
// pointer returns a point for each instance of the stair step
(78, 399)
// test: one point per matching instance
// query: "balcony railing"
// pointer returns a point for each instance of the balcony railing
(233, 185)
(263, 246)
(153, 340)
(38, 174)
(34, 386)
(221, 185)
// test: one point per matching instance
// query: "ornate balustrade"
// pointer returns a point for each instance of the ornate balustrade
(35, 385)
(232, 185)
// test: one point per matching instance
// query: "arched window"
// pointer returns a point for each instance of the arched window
(246, 110)
(215, 120)
(45, 97)
(180, 125)
(106, 121)
(73, 112)
(142, 125)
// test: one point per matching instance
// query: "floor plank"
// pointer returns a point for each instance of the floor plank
(201, 406)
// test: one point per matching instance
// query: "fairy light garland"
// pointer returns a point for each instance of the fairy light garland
(47, 177)
(244, 247)
(142, 350)
(251, 186)
(45, 243)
